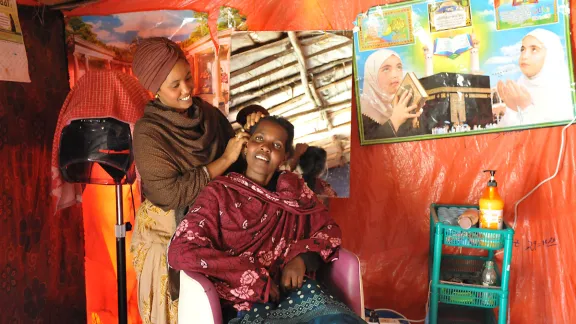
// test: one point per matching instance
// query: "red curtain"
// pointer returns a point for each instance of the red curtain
(41, 254)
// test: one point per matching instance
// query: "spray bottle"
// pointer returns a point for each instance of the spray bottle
(491, 205)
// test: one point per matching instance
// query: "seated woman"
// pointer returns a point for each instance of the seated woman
(259, 237)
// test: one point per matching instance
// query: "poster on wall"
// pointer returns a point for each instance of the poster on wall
(306, 77)
(471, 67)
(109, 43)
(13, 60)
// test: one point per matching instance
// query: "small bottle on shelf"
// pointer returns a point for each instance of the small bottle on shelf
(488, 279)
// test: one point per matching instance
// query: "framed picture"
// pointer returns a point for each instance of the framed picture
(479, 75)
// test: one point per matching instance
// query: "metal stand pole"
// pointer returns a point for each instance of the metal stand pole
(120, 230)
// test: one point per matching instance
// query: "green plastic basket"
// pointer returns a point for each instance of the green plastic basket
(474, 237)
(468, 268)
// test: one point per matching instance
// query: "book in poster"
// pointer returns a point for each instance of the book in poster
(478, 78)
(13, 60)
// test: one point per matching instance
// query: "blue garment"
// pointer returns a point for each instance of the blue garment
(311, 304)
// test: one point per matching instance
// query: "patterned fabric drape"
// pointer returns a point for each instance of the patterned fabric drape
(41, 253)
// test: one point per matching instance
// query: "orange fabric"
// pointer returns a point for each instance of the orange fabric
(393, 185)
(99, 211)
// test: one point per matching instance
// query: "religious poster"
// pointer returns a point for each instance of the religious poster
(476, 75)
(13, 60)
(305, 77)
(109, 43)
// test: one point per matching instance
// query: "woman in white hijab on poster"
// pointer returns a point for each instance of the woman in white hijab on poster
(543, 92)
(383, 115)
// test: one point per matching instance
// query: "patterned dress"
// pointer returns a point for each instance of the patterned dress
(154, 228)
(312, 304)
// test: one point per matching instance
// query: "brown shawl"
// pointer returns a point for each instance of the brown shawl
(170, 148)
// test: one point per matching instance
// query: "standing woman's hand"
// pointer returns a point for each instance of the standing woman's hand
(252, 119)
(235, 145)
(230, 155)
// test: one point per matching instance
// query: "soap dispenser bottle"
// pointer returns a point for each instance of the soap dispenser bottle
(491, 205)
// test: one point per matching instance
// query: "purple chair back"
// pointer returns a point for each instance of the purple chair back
(344, 279)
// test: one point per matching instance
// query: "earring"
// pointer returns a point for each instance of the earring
(156, 96)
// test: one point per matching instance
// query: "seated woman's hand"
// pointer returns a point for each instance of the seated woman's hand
(401, 111)
(274, 293)
(293, 274)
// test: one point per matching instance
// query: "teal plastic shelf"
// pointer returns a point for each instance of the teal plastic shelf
(456, 279)
(474, 237)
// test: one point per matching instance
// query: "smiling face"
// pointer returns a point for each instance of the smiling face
(176, 91)
(390, 75)
(265, 151)
(532, 56)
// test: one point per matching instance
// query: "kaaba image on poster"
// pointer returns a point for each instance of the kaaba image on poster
(456, 99)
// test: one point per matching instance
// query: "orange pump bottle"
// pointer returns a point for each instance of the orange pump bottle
(491, 205)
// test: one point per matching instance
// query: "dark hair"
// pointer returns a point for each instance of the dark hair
(282, 122)
(312, 163)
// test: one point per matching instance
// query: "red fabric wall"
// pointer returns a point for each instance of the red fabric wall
(41, 254)
(385, 220)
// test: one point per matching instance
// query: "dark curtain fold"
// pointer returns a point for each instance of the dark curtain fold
(41, 254)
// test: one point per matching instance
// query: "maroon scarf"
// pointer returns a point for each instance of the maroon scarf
(242, 235)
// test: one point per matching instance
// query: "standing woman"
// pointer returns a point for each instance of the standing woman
(180, 143)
